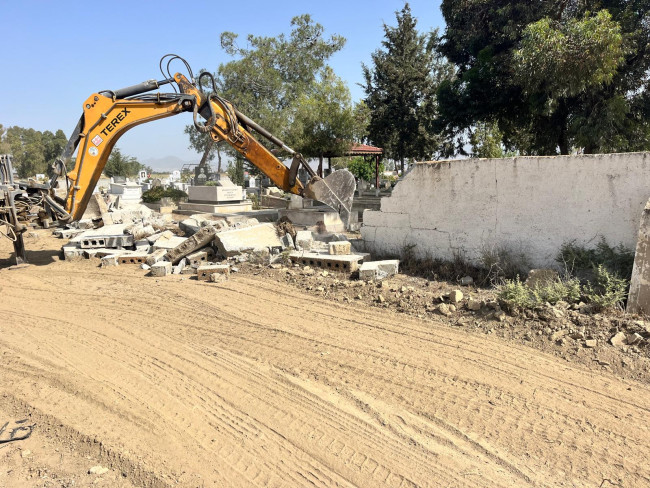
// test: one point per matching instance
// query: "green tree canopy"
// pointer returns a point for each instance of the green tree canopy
(283, 83)
(33, 151)
(400, 90)
(554, 74)
(119, 164)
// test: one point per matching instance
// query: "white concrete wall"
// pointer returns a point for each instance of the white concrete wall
(530, 205)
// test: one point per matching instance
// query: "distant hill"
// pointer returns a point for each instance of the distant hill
(168, 163)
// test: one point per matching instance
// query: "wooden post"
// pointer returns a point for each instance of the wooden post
(377, 172)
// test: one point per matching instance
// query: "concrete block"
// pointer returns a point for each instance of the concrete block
(201, 257)
(378, 270)
(340, 247)
(72, 251)
(199, 240)
(111, 260)
(133, 258)
(304, 240)
(161, 268)
(156, 256)
(203, 272)
(345, 263)
(255, 238)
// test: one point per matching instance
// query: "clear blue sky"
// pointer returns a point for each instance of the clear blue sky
(57, 53)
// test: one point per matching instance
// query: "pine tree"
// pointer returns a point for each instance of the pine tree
(400, 90)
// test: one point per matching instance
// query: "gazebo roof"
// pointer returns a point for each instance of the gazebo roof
(363, 149)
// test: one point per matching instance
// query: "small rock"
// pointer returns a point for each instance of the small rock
(452, 308)
(558, 335)
(308, 271)
(634, 338)
(25, 453)
(455, 296)
(234, 269)
(473, 305)
(325, 273)
(591, 343)
(466, 280)
(403, 289)
(275, 266)
(98, 470)
(381, 299)
(500, 316)
(443, 309)
(618, 340)
(145, 266)
(320, 288)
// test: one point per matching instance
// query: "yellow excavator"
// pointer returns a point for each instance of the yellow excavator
(109, 114)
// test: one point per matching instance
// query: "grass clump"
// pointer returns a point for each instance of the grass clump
(516, 294)
(607, 290)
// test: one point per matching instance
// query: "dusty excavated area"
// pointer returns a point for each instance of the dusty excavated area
(253, 382)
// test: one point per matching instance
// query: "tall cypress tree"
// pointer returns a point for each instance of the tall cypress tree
(400, 90)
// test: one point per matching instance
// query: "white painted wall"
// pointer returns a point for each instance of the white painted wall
(527, 204)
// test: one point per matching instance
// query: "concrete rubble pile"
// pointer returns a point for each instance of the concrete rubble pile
(202, 245)
(209, 246)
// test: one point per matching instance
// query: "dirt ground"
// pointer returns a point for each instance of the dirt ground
(259, 381)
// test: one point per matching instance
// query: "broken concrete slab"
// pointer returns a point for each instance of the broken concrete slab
(378, 270)
(67, 233)
(161, 268)
(255, 238)
(107, 236)
(304, 240)
(97, 209)
(169, 243)
(346, 263)
(204, 272)
(322, 217)
(340, 247)
(199, 240)
(140, 231)
(167, 234)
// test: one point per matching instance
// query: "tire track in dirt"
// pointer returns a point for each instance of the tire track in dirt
(253, 383)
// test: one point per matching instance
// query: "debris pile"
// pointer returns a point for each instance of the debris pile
(207, 245)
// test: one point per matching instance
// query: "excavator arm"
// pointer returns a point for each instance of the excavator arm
(108, 115)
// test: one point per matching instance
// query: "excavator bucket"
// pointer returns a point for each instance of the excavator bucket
(336, 191)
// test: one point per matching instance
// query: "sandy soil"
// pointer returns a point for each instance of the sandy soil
(253, 382)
